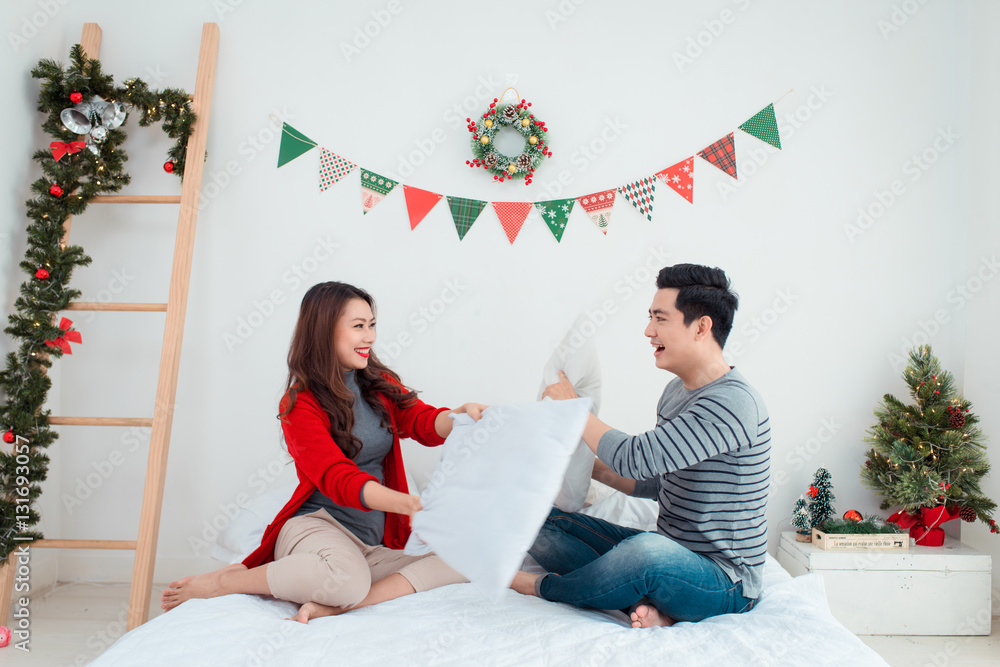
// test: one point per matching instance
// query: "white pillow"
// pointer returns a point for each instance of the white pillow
(576, 356)
(494, 486)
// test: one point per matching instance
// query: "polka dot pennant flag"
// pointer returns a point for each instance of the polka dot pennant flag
(722, 154)
(332, 168)
(598, 207)
(419, 203)
(511, 215)
(555, 213)
(465, 212)
(680, 177)
(374, 188)
(764, 126)
(640, 195)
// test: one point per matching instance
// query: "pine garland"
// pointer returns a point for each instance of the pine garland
(65, 188)
(930, 453)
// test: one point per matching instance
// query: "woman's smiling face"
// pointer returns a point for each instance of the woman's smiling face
(354, 335)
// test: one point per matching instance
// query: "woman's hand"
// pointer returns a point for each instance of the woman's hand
(560, 391)
(382, 498)
(443, 424)
(474, 410)
(409, 505)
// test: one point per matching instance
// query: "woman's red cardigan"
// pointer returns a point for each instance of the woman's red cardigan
(320, 464)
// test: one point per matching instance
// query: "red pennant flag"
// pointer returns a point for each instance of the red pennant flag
(598, 207)
(512, 215)
(680, 177)
(722, 154)
(419, 203)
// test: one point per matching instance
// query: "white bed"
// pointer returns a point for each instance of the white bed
(457, 625)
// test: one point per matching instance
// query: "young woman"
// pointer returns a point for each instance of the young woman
(337, 544)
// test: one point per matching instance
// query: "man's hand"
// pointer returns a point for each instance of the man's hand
(560, 391)
(474, 410)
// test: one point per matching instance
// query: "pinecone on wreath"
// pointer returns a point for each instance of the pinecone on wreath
(968, 514)
(510, 112)
(491, 160)
(957, 418)
(523, 162)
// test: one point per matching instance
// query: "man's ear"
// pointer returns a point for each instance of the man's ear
(704, 327)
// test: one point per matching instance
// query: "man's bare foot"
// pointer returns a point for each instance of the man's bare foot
(315, 610)
(206, 585)
(648, 616)
(524, 582)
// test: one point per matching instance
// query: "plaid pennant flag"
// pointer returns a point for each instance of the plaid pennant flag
(598, 207)
(555, 213)
(332, 168)
(640, 195)
(680, 177)
(419, 203)
(464, 212)
(722, 154)
(512, 215)
(374, 188)
(764, 126)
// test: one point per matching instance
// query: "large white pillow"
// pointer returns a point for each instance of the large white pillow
(494, 486)
(576, 356)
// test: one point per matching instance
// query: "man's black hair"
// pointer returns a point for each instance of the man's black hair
(702, 291)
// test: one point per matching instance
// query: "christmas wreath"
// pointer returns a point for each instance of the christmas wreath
(80, 101)
(515, 115)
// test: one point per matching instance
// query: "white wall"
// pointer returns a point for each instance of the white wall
(865, 101)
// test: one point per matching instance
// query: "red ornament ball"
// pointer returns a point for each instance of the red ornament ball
(42, 274)
(76, 97)
(853, 515)
(56, 191)
(168, 166)
(9, 437)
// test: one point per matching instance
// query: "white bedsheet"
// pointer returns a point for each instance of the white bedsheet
(456, 625)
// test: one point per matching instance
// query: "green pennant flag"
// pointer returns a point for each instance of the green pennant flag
(374, 188)
(555, 213)
(464, 212)
(764, 126)
(293, 144)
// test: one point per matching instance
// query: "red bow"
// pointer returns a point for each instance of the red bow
(62, 342)
(60, 148)
(923, 527)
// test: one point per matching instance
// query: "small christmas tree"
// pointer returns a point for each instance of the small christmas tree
(821, 492)
(800, 517)
(929, 454)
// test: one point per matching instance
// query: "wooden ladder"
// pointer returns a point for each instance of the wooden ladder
(175, 308)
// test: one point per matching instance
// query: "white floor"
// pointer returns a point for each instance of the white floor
(74, 623)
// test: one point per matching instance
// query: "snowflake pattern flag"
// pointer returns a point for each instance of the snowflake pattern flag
(640, 195)
(598, 207)
(512, 215)
(419, 203)
(465, 212)
(764, 126)
(332, 168)
(555, 213)
(374, 188)
(680, 177)
(722, 154)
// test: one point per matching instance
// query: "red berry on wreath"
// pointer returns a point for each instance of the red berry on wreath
(55, 190)
(168, 166)
(42, 274)
(75, 97)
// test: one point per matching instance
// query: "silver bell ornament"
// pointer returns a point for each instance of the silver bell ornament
(94, 118)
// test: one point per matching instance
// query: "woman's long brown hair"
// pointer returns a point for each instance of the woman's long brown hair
(313, 365)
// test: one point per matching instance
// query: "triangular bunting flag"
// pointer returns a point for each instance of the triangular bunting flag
(764, 126)
(680, 177)
(555, 213)
(374, 188)
(640, 195)
(598, 207)
(511, 215)
(332, 168)
(293, 144)
(464, 212)
(419, 203)
(722, 154)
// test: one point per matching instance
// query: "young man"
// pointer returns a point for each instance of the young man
(707, 461)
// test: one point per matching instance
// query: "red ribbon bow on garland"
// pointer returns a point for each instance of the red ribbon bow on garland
(62, 342)
(60, 148)
(923, 527)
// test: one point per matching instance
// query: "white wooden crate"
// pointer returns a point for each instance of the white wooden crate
(922, 591)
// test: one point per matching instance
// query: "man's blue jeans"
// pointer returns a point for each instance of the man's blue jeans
(601, 565)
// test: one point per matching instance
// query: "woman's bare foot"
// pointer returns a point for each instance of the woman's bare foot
(208, 585)
(315, 610)
(524, 582)
(648, 616)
